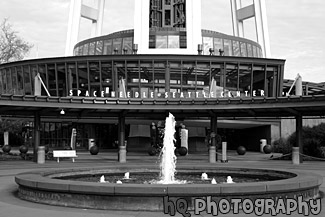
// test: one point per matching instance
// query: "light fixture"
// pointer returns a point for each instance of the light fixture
(62, 112)
(135, 48)
(211, 50)
(125, 50)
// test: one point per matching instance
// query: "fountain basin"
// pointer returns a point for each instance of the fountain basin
(45, 187)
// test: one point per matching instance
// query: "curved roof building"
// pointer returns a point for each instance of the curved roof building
(116, 87)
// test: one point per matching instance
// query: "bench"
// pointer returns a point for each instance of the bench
(65, 153)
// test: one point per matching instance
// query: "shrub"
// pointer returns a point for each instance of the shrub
(280, 146)
(313, 140)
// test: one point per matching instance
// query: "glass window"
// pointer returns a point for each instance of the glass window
(107, 81)
(99, 48)
(245, 79)
(72, 79)
(19, 81)
(117, 45)
(249, 50)
(62, 81)
(108, 47)
(258, 80)
(14, 80)
(92, 48)
(9, 81)
(207, 44)
(85, 51)
(94, 79)
(227, 47)
(127, 44)
(231, 77)
(1, 85)
(218, 45)
(173, 41)
(255, 51)
(80, 50)
(243, 49)
(236, 48)
(52, 80)
(28, 85)
(42, 73)
(76, 51)
(167, 18)
(161, 41)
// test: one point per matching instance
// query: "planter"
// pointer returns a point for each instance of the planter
(241, 150)
(23, 149)
(6, 149)
(94, 150)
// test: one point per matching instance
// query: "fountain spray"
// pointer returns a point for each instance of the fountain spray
(168, 157)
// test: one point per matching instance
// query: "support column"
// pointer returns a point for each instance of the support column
(214, 127)
(298, 148)
(213, 148)
(121, 138)
(37, 135)
(167, 78)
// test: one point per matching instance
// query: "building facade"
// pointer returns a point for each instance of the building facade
(118, 86)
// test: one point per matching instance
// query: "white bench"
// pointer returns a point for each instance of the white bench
(65, 153)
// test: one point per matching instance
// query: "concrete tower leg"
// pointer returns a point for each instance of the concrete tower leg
(258, 11)
(77, 11)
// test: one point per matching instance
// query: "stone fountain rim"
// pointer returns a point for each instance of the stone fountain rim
(42, 181)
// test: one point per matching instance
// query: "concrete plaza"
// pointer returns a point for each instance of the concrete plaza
(12, 206)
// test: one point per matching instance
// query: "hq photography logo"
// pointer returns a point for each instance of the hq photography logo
(282, 206)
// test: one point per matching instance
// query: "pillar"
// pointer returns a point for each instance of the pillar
(79, 10)
(298, 148)
(213, 127)
(121, 138)
(213, 148)
(256, 10)
(167, 78)
(37, 135)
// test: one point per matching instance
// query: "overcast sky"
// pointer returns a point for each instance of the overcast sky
(296, 28)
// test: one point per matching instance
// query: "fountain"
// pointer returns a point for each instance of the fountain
(168, 157)
(102, 179)
(229, 180)
(204, 176)
(127, 175)
(59, 188)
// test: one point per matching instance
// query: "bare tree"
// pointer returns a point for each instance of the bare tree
(12, 47)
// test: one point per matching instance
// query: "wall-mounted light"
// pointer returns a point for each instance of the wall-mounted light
(221, 52)
(125, 50)
(135, 48)
(62, 112)
(115, 51)
(211, 50)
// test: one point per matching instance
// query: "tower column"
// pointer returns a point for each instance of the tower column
(77, 11)
(121, 138)
(213, 136)
(258, 11)
(37, 134)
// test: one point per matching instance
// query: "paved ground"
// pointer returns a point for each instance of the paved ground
(11, 206)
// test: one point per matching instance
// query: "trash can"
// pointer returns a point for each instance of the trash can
(41, 155)
(263, 143)
(91, 143)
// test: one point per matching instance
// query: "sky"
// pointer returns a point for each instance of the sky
(296, 28)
